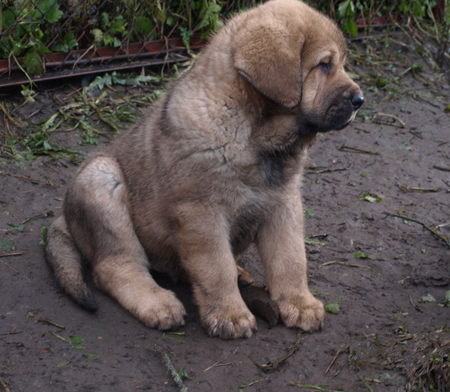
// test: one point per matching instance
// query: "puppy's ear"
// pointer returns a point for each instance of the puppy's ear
(268, 55)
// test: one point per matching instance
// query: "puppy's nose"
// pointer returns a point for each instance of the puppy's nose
(357, 101)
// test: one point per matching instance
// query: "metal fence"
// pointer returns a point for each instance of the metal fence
(47, 39)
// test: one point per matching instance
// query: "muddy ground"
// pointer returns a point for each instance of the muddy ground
(392, 327)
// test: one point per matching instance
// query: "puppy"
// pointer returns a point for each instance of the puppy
(211, 168)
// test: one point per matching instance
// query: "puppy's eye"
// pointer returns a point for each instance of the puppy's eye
(325, 67)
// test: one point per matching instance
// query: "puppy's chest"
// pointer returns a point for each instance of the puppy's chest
(246, 222)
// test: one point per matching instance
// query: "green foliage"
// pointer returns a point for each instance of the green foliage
(361, 255)
(43, 240)
(347, 11)
(28, 93)
(123, 79)
(145, 27)
(48, 9)
(28, 28)
(7, 245)
(186, 37)
(332, 307)
(69, 43)
(33, 62)
(371, 199)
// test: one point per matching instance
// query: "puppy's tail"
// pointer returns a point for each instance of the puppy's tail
(65, 261)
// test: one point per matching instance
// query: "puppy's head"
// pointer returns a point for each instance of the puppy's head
(295, 56)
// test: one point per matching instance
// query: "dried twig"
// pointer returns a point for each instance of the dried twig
(336, 250)
(380, 114)
(42, 320)
(12, 254)
(11, 333)
(5, 111)
(423, 224)
(4, 385)
(32, 180)
(415, 307)
(416, 134)
(42, 214)
(5, 120)
(265, 367)
(4, 262)
(357, 150)
(166, 361)
(100, 116)
(446, 183)
(346, 264)
(412, 188)
(446, 169)
(59, 337)
(333, 361)
(312, 171)
(217, 364)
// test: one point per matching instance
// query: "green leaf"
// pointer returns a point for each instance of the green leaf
(447, 299)
(145, 26)
(332, 307)
(75, 340)
(105, 19)
(43, 236)
(344, 8)
(308, 213)
(49, 10)
(118, 26)
(170, 21)
(118, 78)
(183, 373)
(8, 17)
(215, 8)
(98, 35)
(47, 146)
(28, 93)
(109, 39)
(361, 255)
(352, 28)
(7, 245)
(370, 198)
(158, 13)
(428, 298)
(70, 41)
(33, 62)
(186, 37)
(15, 228)
(91, 357)
(116, 42)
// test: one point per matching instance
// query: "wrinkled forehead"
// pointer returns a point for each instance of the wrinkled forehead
(324, 44)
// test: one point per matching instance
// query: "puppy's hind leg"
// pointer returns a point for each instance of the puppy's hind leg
(100, 222)
(65, 261)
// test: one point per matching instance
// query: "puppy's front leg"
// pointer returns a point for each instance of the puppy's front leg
(282, 249)
(203, 243)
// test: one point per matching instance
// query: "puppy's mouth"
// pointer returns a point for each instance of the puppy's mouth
(350, 120)
(308, 126)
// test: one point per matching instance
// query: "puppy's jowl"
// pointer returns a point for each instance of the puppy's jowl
(211, 168)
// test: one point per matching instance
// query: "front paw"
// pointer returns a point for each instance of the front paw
(161, 310)
(228, 322)
(303, 312)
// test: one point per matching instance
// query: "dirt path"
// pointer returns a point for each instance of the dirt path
(391, 297)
